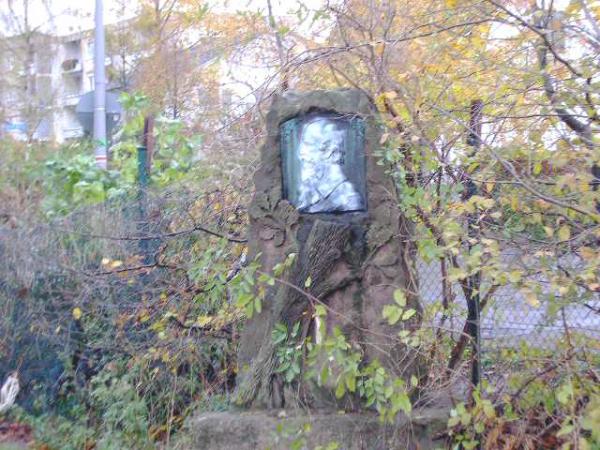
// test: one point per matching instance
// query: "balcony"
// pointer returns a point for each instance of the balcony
(15, 127)
(71, 99)
(71, 66)
(72, 132)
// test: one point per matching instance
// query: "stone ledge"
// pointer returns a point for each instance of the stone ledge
(279, 430)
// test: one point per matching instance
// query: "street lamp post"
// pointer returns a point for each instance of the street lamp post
(100, 89)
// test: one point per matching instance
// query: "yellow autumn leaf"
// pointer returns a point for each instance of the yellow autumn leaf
(308, 282)
(562, 290)
(564, 233)
(77, 313)
(115, 264)
(536, 218)
(532, 299)
(588, 253)
(514, 276)
(542, 204)
(488, 202)
(403, 76)
(203, 320)
(488, 187)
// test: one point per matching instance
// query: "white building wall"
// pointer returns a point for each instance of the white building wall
(245, 76)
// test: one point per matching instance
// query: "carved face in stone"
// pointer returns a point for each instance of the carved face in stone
(323, 184)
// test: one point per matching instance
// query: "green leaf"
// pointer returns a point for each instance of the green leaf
(279, 333)
(401, 402)
(392, 313)
(263, 278)
(324, 374)
(320, 311)
(453, 421)
(565, 429)
(278, 269)
(289, 376)
(283, 367)
(403, 334)
(400, 298)
(514, 276)
(388, 391)
(290, 259)
(564, 233)
(469, 445)
(340, 390)
(244, 299)
(308, 282)
(488, 409)
(351, 383)
(295, 329)
(564, 394)
(465, 419)
(408, 314)
(479, 427)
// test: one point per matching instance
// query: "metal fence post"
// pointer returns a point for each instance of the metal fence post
(474, 281)
(143, 179)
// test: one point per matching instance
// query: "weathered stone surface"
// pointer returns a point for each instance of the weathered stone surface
(355, 260)
(260, 430)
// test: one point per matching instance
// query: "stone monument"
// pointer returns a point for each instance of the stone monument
(322, 193)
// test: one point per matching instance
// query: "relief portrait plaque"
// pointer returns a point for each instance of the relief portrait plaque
(324, 163)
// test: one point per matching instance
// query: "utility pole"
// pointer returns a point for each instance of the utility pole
(99, 89)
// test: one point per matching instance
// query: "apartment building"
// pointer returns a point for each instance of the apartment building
(26, 84)
(39, 98)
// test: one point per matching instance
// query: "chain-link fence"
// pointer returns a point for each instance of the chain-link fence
(509, 319)
(95, 259)
(120, 281)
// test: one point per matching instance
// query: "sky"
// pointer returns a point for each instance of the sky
(63, 17)
(59, 16)
(70, 16)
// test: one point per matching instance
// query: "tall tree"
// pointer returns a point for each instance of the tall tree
(27, 51)
(533, 68)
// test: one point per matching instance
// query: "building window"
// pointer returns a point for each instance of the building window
(90, 49)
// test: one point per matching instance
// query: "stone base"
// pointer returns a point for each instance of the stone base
(281, 430)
